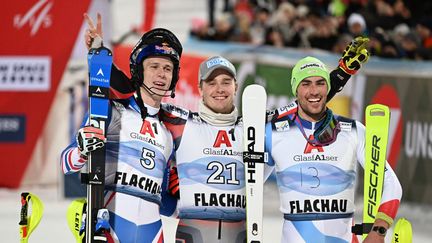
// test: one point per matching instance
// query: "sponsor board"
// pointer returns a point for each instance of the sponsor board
(25, 73)
(12, 128)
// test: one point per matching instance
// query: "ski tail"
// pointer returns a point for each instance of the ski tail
(402, 231)
(28, 224)
(100, 63)
(254, 101)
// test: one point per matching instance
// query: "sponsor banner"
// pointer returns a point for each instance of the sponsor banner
(25, 73)
(410, 136)
(38, 41)
(12, 128)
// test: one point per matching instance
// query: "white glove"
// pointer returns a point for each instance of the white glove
(89, 139)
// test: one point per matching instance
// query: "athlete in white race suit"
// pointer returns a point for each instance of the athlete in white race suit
(138, 145)
(316, 156)
(208, 144)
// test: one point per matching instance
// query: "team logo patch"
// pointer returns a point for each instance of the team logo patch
(345, 126)
(282, 126)
(176, 111)
(291, 107)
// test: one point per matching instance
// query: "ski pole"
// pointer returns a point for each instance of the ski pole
(28, 224)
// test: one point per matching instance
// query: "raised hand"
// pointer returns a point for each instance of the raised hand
(355, 55)
(93, 34)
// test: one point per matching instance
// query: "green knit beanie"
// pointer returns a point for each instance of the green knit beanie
(308, 67)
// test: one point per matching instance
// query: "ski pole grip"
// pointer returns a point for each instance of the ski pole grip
(24, 208)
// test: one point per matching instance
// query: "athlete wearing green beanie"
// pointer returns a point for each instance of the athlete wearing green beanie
(308, 67)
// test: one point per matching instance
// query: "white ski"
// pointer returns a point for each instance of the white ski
(254, 101)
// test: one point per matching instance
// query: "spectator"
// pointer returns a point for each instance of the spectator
(321, 24)
(424, 30)
(211, 10)
(380, 44)
(259, 25)
(356, 25)
(283, 20)
(224, 28)
(410, 47)
(354, 6)
(325, 34)
(341, 43)
(274, 37)
(241, 29)
(387, 13)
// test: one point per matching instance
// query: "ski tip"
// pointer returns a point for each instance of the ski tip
(402, 231)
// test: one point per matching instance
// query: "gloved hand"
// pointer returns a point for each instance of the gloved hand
(355, 55)
(173, 184)
(89, 139)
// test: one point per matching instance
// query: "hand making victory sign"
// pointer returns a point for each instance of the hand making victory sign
(93, 35)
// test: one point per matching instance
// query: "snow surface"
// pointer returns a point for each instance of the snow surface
(53, 227)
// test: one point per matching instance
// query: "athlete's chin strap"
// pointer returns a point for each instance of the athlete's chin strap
(145, 109)
(172, 94)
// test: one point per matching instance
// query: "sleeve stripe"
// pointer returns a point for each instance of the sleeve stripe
(72, 166)
(65, 166)
(68, 165)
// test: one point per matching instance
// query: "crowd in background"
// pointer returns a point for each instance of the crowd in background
(396, 28)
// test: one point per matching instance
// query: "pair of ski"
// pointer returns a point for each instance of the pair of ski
(88, 211)
(377, 124)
